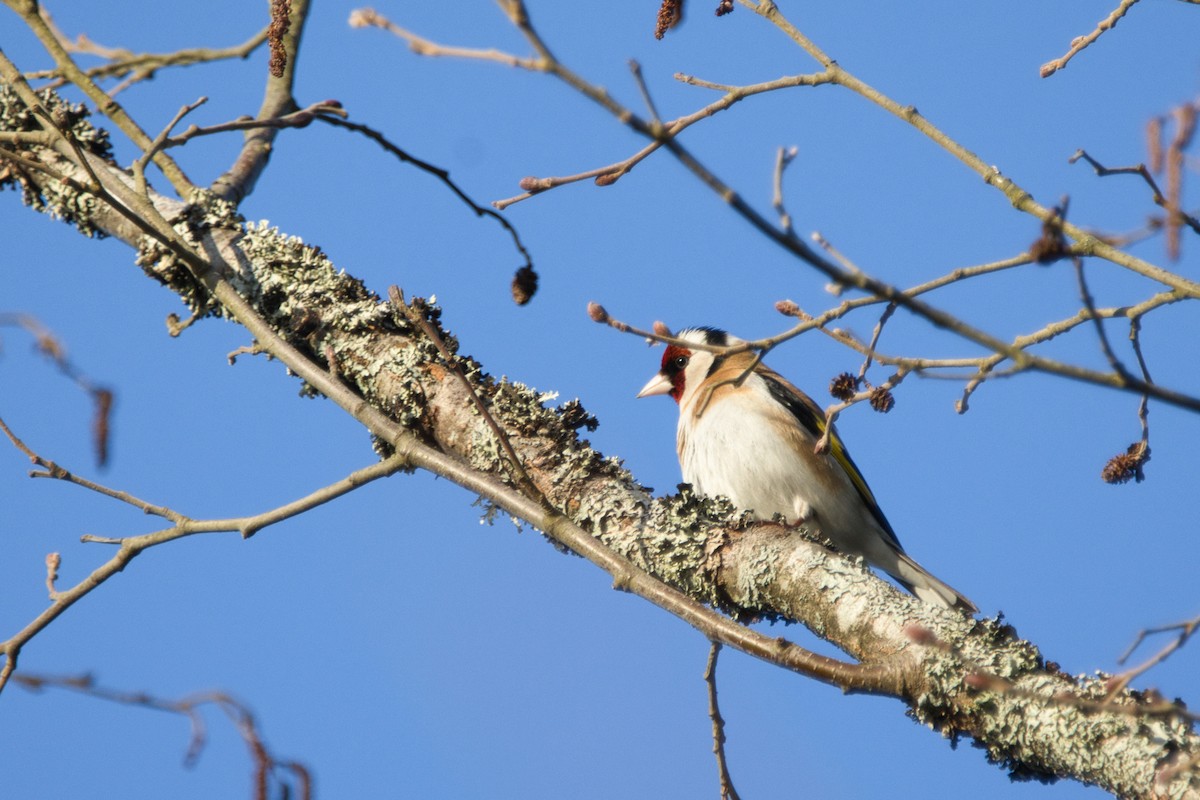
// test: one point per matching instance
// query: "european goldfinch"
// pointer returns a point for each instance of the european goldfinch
(753, 441)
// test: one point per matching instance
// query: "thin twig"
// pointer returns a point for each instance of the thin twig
(265, 764)
(132, 546)
(139, 166)
(1185, 629)
(883, 318)
(1079, 43)
(783, 157)
(1090, 306)
(1185, 129)
(604, 176)
(640, 80)
(437, 172)
(102, 396)
(718, 725)
(1135, 340)
(1171, 207)
(138, 66)
(415, 314)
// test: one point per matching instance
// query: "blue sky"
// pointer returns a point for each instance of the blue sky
(401, 648)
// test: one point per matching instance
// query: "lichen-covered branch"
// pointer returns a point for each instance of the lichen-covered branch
(961, 676)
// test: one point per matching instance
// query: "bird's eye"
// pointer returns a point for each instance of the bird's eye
(681, 362)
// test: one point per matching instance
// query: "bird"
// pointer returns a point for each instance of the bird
(746, 433)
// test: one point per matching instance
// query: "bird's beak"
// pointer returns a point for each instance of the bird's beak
(659, 384)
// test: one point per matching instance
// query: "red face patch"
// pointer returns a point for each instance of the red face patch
(674, 362)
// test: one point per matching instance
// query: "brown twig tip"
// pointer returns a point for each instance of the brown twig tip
(660, 328)
(843, 386)
(1051, 245)
(1185, 129)
(724, 7)
(363, 18)
(1154, 148)
(101, 427)
(53, 562)
(882, 399)
(1127, 466)
(281, 20)
(789, 308)
(524, 285)
(597, 312)
(670, 14)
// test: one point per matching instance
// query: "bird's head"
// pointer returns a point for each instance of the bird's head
(684, 368)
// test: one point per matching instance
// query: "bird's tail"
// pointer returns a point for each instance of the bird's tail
(925, 586)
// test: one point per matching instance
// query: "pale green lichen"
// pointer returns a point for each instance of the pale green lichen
(675, 539)
(56, 199)
(287, 280)
(203, 214)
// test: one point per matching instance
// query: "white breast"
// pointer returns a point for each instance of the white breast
(734, 449)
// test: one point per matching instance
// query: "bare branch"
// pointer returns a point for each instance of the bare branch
(1170, 204)
(718, 725)
(103, 101)
(266, 765)
(1079, 43)
(132, 546)
(278, 101)
(1185, 630)
(437, 172)
(137, 67)
(783, 157)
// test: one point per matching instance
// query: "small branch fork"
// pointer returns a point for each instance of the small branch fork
(661, 133)
(131, 546)
(1185, 630)
(1176, 216)
(266, 765)
(137, 66)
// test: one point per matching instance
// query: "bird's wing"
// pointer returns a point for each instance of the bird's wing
(812, 419)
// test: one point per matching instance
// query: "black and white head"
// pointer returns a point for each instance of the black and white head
(685, 368)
